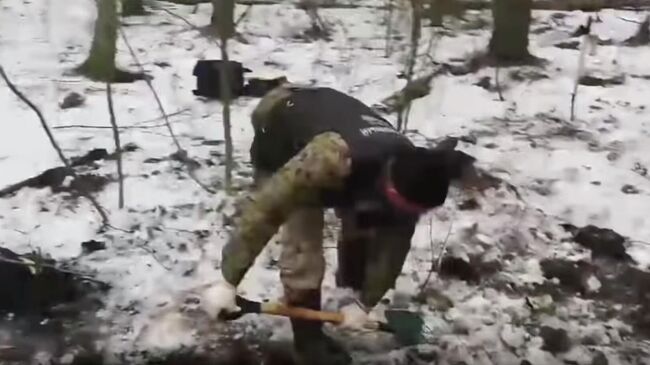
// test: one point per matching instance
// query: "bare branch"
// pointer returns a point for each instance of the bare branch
(182, 154)
(180, 111)
(83, 126)
(55, 145)
(432, 268)
(579, 72)
(118, 149)
(629, 20)
(137, 125)
(443, 250)
(152, 253)
(243, 15)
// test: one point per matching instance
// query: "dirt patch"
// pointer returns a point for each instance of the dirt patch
(606, 281)
(603, 242)
(32, 285)
(556, 340)
(591, 80)
(473, 271)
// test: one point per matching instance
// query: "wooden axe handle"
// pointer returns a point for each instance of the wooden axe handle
(301, 313)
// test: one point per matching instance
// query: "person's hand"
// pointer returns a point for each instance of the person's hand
(219, 298)
(354, 317)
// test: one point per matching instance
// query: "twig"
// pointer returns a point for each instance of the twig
(182, 154)
(118, 148)
(83, 126)
(579, 72)
(426, 281)
(34, 264)
(180, 111)
(55, 145)
(641, 242)
(243, 15)
(444, 246)
(136, 125)
(153, 255)
(498, 84)
(629, 20)
(573, 101)
(435, 266)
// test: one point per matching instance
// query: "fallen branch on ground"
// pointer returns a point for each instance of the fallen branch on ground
(55, 145)
(83, 126)
(35, 265)
(136, 125)
(181, 153)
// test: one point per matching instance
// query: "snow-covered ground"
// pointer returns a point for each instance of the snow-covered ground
(168, 238)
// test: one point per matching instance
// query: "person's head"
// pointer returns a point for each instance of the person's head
(421, 176)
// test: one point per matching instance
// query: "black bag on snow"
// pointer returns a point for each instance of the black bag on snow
(208, 78)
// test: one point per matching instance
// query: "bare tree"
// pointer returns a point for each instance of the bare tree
(509, 41)
(222, 20)
(389, 26)
(100, 64)
(118, 148)
(132, 7)
(416, 33)
(181, 154)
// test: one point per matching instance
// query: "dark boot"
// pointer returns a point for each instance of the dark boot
(312, 346)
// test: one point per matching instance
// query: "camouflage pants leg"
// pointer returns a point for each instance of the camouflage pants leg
(302, 264)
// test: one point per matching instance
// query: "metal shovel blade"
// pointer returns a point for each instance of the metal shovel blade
(406, 326)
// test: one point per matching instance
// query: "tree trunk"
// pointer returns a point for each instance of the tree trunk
(509, 41)
(223, 15)
(100, 64)
(132, 7)
(389, 27)
(416, 33)
(225, 99)
(434, 13)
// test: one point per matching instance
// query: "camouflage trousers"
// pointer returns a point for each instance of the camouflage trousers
(369, 259)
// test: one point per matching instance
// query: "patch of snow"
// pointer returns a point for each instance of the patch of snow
(168, 240)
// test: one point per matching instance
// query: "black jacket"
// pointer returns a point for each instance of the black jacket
(372, 140)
